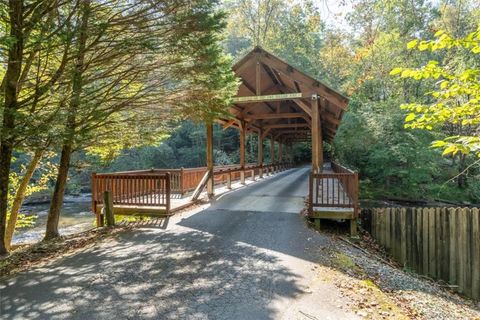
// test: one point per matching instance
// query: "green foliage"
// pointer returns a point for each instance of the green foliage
(395, 161)
(456, 98)
(40, 182)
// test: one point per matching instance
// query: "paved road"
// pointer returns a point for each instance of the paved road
(248, 256)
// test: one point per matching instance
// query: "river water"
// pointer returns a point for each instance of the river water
(76, 216)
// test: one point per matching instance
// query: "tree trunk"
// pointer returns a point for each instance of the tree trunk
(12, 76)
(75, 101)
(462, 176)
(20, 196)
(58, 194)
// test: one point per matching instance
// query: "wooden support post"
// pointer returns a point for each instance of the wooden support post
(260, 154)
(229, 180)
(168, 192)
(289, 154)
(258, 77)
(280, 152)
(108, 208)
(272, 154)
(210, 182)
(353, 227)
(316, 135)
(258, 91)
(182, 183)
(320, 143)
(242, 151)
(100, 219)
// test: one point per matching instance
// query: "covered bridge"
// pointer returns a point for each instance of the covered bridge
(275, 101)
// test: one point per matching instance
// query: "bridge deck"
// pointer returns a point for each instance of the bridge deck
(178, 202)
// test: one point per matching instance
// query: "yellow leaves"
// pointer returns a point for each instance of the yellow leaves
(396, 71)
(445, 41)
(406, 73)
(438, 144)
(458, 144)
(423, 45)
(450, 149)
(410, 117)
(412, 44)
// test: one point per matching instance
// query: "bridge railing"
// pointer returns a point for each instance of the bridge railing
(337, 189)
(184, 180)
(132, 189)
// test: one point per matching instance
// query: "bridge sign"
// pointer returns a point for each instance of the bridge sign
(271, 97)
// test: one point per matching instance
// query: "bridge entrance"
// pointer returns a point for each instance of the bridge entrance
(275, 101)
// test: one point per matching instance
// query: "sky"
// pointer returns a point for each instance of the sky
(334, 12)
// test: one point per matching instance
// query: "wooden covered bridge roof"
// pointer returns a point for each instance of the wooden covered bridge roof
(274, 99)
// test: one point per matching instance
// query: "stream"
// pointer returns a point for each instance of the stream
(76, 216)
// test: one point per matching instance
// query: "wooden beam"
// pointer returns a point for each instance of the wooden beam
(308, 81)
(330, 118)
(286, 134)
(210, 182)
(315, 136)
(249, 126)
(272, 150)
(274, 116)
(305, 107)
(264, 134)
(258, 78)
(260, 153)
(229, 124)
(276, 77)
(252, 92)
(295, 131)
(287, 125)
(242, 150)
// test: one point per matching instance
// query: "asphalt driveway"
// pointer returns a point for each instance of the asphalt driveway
(247, 256)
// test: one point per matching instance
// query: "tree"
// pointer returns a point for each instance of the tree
(372, 137)
(29, 24)
(455, 103)
(170, 54)
(10, 105)
(21, 187)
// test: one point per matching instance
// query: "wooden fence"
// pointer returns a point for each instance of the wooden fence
(442, 243)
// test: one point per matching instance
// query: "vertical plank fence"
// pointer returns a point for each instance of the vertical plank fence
(442, 243)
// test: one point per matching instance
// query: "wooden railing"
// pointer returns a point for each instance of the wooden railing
(187, 179)
(152, 189)
(337, 189)
(132, 189)
(227, 174)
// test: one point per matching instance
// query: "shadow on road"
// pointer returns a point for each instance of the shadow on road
(194, 273)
